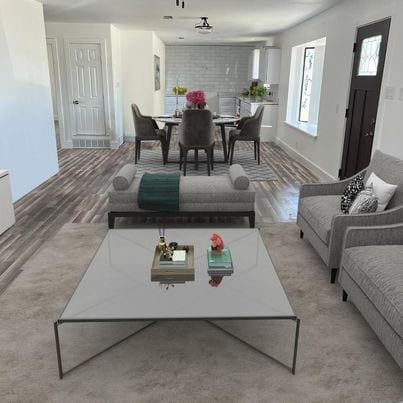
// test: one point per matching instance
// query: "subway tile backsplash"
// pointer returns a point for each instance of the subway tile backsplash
(209, 68)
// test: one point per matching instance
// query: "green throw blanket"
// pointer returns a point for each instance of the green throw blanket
(159, 192)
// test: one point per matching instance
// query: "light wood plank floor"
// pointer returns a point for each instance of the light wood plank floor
(79, 194)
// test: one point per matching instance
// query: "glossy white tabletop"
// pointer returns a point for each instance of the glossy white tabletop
(118, 286)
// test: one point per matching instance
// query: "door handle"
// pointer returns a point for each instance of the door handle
(75, 102)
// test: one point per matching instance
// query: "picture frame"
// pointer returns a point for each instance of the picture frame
(157, 73)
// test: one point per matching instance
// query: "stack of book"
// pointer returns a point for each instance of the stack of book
(219, 265)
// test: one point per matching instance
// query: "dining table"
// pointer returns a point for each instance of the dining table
(219, 120)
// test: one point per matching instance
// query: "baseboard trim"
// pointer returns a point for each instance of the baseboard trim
(129, 139)
(317, 170)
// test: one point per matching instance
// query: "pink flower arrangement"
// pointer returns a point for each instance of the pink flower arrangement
(196, 97)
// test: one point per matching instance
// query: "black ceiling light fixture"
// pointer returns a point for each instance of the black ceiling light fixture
(179, 2)
(203, 27)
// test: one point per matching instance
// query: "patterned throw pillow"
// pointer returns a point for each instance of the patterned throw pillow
(365, 202)
(350, 193)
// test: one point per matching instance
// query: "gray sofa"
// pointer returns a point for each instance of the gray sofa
(226, 195)
(320, 218)
(371, 274)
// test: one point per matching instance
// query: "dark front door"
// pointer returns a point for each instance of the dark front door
(366, 80)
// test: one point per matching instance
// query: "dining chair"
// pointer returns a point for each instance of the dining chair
(248, 129)
(147, 130)
(197, 132)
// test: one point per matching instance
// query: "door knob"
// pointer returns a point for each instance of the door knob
(76, 102)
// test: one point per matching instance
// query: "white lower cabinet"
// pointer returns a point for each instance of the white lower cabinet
(268, 131)
(7, 217)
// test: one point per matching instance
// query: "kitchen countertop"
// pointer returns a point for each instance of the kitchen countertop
(252, 100)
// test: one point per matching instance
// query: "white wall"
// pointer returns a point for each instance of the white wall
(27, 136)
(138, 49)
(339, 26)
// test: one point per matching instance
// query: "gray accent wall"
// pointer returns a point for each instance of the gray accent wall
(209, 68)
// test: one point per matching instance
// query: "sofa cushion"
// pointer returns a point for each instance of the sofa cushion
(378, 271)
(318, 211)
(212, 189)
(390, 170)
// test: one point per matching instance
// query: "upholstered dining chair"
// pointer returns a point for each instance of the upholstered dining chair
(248, 129)
(197, 132)
(146, 130)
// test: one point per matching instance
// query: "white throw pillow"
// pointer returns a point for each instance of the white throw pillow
(382, 190)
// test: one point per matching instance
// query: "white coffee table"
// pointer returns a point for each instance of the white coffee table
(117, 285)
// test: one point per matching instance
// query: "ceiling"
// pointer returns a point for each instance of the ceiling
(234, 21)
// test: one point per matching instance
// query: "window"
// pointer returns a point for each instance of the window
(369, 56)
(305, 85)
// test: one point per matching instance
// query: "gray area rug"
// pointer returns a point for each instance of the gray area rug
(340, 358)
(151, 161)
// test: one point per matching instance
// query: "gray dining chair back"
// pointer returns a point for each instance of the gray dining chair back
(197, 131)
(146, 129)
(248, 130)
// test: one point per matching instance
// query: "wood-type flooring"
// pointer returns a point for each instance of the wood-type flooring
(78, 194)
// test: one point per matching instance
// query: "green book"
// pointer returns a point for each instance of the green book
(219, 261)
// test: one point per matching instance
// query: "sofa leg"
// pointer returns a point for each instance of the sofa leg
(333, 274)
(111, 220)
(345, 295)
(251, 219)
(301, 234)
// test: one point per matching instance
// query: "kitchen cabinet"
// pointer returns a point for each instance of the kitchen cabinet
(7, 218)
(269, 65)
(253, 64)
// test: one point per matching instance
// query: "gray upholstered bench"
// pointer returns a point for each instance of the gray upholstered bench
(372, 278)
(217, 196)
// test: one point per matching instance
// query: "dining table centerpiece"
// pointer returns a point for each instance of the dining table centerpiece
(196, 99)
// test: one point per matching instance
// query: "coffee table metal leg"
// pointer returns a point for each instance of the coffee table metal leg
(59, 357)
(294, 360)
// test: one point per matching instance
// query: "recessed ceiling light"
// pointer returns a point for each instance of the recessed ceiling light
(167, 17)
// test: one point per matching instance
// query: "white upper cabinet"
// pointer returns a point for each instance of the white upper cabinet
(253, 66)
(269, 65)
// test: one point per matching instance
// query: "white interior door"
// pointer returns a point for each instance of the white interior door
(86, 90)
